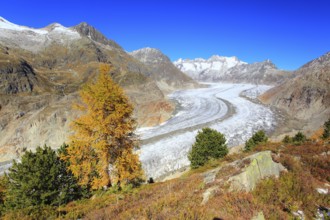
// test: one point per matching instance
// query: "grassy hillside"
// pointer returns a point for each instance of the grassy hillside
(307, 165)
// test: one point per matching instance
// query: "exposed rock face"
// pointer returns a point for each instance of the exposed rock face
(41, 71)
(259, 216)
(16, 76)
(250, 171)
(257, 73)
(209, 193)
(307, 96)
(34, 121)
(89, 31)
(207, 70)
(261, 166)
(167, 76)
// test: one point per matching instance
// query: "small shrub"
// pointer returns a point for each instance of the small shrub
(287, 139)
(209, 144)
(249, 144)
(299, 138)
(257, 138)
(326, 132)
(293, 191)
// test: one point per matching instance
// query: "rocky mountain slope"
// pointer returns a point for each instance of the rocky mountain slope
(207, 70)
(257, 73)
(307, 96)
(41, 71)
(167, 76)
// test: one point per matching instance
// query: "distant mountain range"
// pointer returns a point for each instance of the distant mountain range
(304, 94)
(231, 69)
(207, 70)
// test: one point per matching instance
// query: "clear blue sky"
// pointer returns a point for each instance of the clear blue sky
(290, 32)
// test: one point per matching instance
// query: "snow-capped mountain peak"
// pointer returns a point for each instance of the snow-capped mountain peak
(7, 25)
(205, 70)
(33, 39)
(54, 26)
(149, 55)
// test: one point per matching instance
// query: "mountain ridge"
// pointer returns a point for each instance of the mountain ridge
(205, 69)
(231, 69)
(168, 77)
(306, 97)
(42, 71)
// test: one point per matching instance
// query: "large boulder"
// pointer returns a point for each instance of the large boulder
(242, 174)
(261, 166)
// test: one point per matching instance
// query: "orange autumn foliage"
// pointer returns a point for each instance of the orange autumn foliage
(103, 136)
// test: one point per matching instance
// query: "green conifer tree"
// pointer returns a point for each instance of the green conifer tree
(209, 144)
(257, 138)
(41, 178)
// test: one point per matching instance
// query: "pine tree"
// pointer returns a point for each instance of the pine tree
(287, 139)
(299, 138)
(103, 135)
(249, 145)
(257, 138)
(209, 144)
(41, 178)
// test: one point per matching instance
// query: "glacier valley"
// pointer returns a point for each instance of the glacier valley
(224, 107)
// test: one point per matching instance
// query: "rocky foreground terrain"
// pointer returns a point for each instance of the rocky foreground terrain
(274, 181)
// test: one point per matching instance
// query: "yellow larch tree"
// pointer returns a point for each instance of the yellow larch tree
(103, 136)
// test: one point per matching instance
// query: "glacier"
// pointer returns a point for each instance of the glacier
(164, 148)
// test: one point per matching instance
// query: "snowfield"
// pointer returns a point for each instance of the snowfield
(165, 148)
(32, 39)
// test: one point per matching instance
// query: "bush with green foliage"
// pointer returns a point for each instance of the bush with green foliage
(299, 138)
(209, 144)
(41, 178)
(257, 138)
(326, 132)
(3, 188)
(287, 139)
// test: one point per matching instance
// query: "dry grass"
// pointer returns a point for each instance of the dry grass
(308, 168)
(181, 198)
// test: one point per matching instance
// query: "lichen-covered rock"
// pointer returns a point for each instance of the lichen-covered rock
(209, 193)
(210, 176)
(261, 166)
(259, 216)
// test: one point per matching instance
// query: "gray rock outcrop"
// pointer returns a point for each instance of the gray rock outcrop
(261, 166)
(241, 175)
